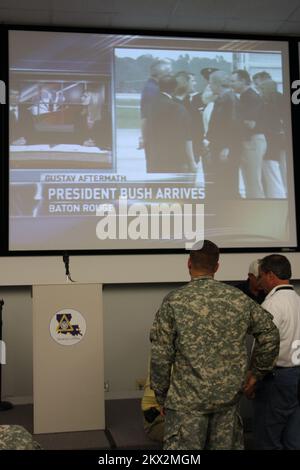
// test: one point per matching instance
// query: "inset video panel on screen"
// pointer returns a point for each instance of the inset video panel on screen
(148, 142)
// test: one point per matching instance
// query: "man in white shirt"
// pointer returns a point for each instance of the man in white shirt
(276, 404)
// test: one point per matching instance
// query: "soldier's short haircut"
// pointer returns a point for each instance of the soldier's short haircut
(278, 265)
(206, 258)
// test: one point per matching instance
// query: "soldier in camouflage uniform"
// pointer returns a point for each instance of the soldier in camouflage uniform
(14, 437)
(200, 332)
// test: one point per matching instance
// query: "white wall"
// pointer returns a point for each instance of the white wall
(17, 334)
(128, 314)
(129, 310)
(118, 269)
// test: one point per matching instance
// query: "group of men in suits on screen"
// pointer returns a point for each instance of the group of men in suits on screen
(235, 127)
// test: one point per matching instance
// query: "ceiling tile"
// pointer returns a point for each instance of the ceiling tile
(132, 7)
(137, 21)
(258, 27)
(75, 18)
(20, 16)
(197, 24)
(15, 5)
(265, 10)
(290, 27)
(236, 16)
(295, 16)
(207, 8)
(71, 6)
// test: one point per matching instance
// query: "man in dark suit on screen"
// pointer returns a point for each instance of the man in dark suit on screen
(21, 125)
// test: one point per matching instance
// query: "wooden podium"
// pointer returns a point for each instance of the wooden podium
(68, 375)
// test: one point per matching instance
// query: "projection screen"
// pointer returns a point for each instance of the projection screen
(120, 142)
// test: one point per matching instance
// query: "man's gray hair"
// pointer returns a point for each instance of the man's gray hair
(254, 268)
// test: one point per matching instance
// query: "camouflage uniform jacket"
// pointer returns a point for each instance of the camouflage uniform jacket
(200, 330)
(15, 437)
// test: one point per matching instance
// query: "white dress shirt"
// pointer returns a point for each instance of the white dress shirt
(284, 305)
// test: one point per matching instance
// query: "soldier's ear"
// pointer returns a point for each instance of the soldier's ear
(189, 263)
(217, 267)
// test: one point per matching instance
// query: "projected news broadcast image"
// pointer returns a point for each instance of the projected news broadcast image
(147, 142)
